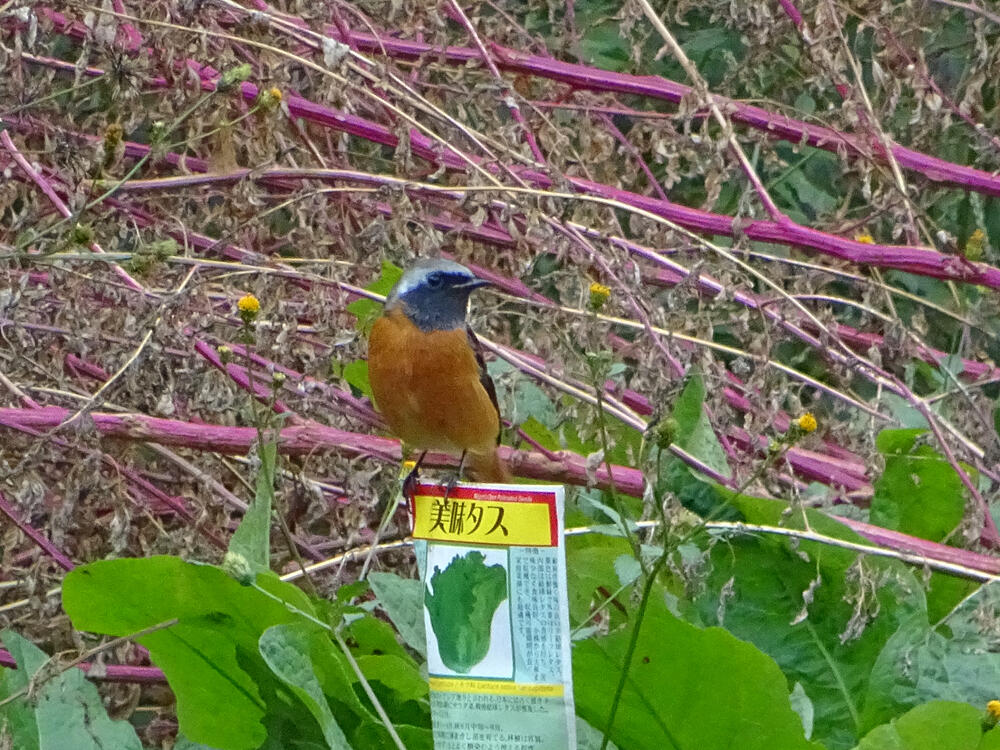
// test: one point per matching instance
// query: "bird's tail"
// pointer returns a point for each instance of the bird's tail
(488, 467)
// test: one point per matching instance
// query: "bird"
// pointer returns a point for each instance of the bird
(427, 373)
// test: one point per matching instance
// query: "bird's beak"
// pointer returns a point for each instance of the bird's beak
(475, 284)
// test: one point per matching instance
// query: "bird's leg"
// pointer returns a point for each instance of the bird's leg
(410, 483)
(456, 477)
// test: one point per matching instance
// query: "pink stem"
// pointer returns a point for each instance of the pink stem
(8, 509)
(56, 201)
(107, 672)
(456, 13)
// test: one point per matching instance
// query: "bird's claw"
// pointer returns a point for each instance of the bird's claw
(410, 483)
(450, 485)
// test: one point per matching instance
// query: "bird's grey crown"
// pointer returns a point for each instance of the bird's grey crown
(434, 294)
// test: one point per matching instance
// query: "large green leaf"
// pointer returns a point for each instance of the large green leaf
(919, 492)
(395, 673)
(287, 649)
(591, 574)
(356, 375)
(893, 662)
(64, 710)
(940, 725)
(206, 654)
(687, 688)
(957, 662)
(808, 606)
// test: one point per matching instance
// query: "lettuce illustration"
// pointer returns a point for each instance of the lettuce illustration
(466, 595)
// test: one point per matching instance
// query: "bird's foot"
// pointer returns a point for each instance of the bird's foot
(455, 478)
(412, 479)
(449, 486)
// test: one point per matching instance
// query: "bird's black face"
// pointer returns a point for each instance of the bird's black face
(435, 294)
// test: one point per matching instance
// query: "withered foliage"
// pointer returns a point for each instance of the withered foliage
(161, 161)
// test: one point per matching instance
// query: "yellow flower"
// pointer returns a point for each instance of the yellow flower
(113, 135)
(975, 245)
(248, 307)
(807, 422)
(865, 239)
(248, 304)
(270, 99)
(599, 294)
(993, 709)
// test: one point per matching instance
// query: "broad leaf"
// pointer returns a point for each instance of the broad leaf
(919, 492)
(940, 725)
(403, 601)
(694, 430)
(64, 711)
(287, 649)
(206, 653)
(687, 688)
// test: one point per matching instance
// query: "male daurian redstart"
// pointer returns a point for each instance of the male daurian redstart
(427, 372)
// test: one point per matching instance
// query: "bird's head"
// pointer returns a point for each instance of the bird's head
(434, 294)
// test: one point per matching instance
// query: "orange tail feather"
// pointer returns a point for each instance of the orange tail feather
(488, 467)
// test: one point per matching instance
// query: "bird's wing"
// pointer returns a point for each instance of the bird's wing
(484, 376)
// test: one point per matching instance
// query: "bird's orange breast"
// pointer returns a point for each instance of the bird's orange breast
(427, 386)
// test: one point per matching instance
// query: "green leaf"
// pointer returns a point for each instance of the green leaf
(628, 569)
(286, 649)
(461, 602)
(233, 76)
(356, 375)
(803, 606)
(812, 197)
(19, 716)
(604, 47)
(954, 663)
(919, 493)
(206, 655)
(591, 573)
(904, 412)
(183, 743)
(589, 738)
(990, 740)
(251, 542)
(531, 402)
(694, 431)
(374, 735)
(687, 688)
(395, 673)
(367, 310)
(65, 710)
(805, 103)
(372, 636)
(403, 601)
(540, 434)
(941, 725)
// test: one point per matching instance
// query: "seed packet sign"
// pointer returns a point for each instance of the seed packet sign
(496, 613)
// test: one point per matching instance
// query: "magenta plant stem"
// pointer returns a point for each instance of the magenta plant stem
(8, 509)
(107, 672)
(913, 259)
(656, 87)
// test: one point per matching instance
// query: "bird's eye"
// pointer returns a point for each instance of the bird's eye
(435, 280)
